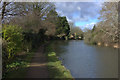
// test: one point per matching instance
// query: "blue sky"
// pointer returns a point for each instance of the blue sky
(82, 14)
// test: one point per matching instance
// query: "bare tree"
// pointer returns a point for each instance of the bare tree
(10, 10)
(109, 23)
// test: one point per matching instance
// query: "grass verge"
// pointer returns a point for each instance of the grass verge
(18, 68)
(55, 67)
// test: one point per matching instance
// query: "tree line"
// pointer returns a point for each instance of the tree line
(107, 29)
(27, 25)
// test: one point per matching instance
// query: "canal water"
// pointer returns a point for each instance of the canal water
(87, 61)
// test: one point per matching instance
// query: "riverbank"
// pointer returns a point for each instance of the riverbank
(105, 44)
(115, 45)
(55, 67)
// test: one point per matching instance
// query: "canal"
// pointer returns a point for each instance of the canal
(87, 61)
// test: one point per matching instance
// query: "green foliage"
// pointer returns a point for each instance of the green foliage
(93, 28)
(62, 27)
(90, 37)
(33, 40)
(13, 37)
(52, 54)
(16, 65)
(17, 68)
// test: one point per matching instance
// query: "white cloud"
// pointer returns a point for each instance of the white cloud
(89, 26)
(78, 8)
(78, 11)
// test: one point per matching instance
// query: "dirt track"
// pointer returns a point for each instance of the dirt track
(38, 67)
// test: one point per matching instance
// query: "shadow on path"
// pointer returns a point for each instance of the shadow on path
(38, 65)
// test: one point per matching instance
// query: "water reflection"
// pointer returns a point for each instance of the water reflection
(59, 46)
(86, 61)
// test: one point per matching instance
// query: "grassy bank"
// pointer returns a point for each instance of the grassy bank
(18, 67)
(55, 67)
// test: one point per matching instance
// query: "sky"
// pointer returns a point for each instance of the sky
(82, 14)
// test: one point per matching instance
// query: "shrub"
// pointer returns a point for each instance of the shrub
(12, 36)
